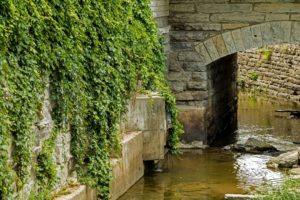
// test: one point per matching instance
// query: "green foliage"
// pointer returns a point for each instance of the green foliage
(289, 190)
(265, 53)
(93, 53)
(46, 169)
(253, 76)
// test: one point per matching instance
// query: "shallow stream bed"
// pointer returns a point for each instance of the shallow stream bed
(213, 172)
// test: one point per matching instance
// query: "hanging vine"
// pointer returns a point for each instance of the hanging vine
(93, 53)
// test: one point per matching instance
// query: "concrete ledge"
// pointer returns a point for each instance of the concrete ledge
(192, 118)
(129, 169)
(80, 193)
(240, 196)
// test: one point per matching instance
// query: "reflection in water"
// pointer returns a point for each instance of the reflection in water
(252, 171)
(209, 174)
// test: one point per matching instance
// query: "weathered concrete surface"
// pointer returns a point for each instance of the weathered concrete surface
(192, 118)
(240, 197)
(130, 168)
(79, 193)
(148, 114)
(144, 131)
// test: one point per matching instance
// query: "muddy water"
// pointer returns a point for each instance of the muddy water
(210, 173)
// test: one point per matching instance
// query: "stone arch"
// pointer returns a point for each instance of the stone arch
(230, 42)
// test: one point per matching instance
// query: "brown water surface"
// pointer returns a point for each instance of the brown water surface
(211, 173)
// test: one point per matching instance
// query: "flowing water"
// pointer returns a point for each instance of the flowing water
(211, 173)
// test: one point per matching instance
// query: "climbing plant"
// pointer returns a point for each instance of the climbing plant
(94, 54)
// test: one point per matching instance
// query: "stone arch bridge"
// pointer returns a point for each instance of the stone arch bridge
(202, 38)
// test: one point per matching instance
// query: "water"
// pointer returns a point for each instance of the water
(209, 174)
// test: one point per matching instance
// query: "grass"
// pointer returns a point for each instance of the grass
(289, 190)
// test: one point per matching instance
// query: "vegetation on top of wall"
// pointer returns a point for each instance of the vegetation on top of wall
(93, 53)
(266, 53)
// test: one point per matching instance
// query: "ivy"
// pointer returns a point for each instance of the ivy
(94, 54)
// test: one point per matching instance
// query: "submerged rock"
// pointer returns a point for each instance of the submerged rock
(192, 145)
(256, 144)
(295, 171)
(285, 160)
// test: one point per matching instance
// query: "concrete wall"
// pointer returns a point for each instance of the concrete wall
(278, 74)
(144, 132)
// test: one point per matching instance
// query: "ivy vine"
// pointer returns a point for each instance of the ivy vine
(94, 54)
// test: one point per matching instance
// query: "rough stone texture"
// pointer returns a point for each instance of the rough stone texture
(146, 116)
(278, 76)
(285, 160)
(160, 9)
(204, 31)
(62, 156)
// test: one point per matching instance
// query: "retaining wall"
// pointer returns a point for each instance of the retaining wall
(274, 70)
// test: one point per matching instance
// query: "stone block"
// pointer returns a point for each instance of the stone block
(295, 33)
(277, 17)
(129, 169)
(193, 120)
(177, 86)
(256, 36)
(185, 8)
(203, 53)
(231, 26)
(277, 7)
(194, 66)
(154, 144)
(223, 8)
(295, 17)
(198, 26)
(238, 40)
(229, 42)
(146, 113)
(179, 76)
(247, 35)
(220, 45)
(199, 76)
(189, 17)
(79, 193)
(197, 85)
(189, 56)
(191, 95)
(237, 17)
(212, 50)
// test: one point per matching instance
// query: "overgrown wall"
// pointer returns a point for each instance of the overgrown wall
(274, 70)
(91, 57)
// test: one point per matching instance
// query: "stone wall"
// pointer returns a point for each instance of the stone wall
(160, 9)
(144, 133)
(274, 70)
(202, 31)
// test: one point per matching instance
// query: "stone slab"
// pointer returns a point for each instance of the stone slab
(81, 193)
(129, 169)
(146, 112)
(192, 118)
